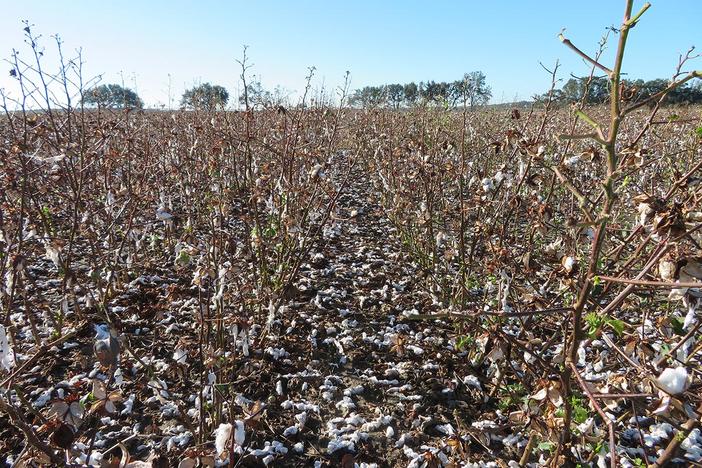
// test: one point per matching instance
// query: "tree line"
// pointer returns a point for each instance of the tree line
(470, 91)
(113, 96)
(596, 91)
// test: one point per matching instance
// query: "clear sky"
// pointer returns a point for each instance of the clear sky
(377, 41)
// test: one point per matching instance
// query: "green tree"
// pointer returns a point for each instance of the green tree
(112, 96)
(572, 90)
(411, 92)
(652, 87)
(430, 91)
(443, 92)
(597, 90)
(633, 90)
(472, 90)
(369, 96)
(205, 97)
(395, 94)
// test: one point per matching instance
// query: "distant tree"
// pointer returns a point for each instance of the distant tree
(395, 94)
(369, 96)
(257, 95)
(472, 90)
(597, 90)
(205, 97)
(572, 90)
(443, 93)
(632, 90)
(433, 92)
(693, 92)
(429, 91)
(457, 92)
(113, 96)
(411, 92)
(652, 87)
(280, 96)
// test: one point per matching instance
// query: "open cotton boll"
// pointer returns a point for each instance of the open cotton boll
(239, 433)
(222, 435)
(568, 263)
(7, 355)
(488, 185)
(179, 356)
(674, 380)
(163, 215)
(572, 161)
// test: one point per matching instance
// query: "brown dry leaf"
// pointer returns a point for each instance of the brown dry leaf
(455, 443)
(348, 461)
(518, 417)
(591, 153)
(105, 401)
(431, 460)
(68, 412)
(188, 463)
(398, 345)
(666, 269)
(254, 413)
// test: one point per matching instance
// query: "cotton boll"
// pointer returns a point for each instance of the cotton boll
(572, 161)
(488, 185)
(180, 356)
(568, 263)
(222, 435)
(316, 171)
(239, 433)
(163, 215)
(7, 355)
(674, 380)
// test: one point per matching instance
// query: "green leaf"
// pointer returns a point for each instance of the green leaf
(580, 414)
(677, 324)
(698, 131)
(546, 446)
(464, 342)
(616, 325)
(594, 323)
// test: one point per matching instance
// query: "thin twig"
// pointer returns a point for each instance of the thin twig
(582, 54)
(652, 284)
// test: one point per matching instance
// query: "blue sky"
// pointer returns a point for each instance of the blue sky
(378, 42)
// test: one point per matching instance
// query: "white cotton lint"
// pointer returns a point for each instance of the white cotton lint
(674, 380)
(239, 433)
(222, 435)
